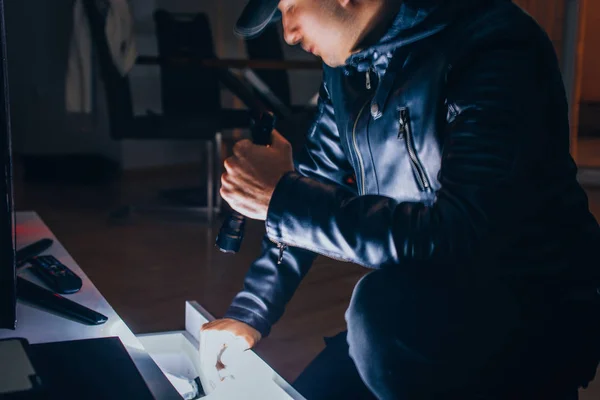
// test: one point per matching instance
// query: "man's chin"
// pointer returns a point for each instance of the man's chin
(331, 62)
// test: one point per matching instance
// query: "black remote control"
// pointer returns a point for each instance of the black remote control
(35, 294)
(55, 274)
(23, 255)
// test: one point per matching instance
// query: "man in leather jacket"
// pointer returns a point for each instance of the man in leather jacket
(451, 116)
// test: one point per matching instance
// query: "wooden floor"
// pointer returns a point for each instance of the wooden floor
(588, 152)
(147, 269)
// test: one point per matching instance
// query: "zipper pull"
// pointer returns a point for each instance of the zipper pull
(368, 83)
(281, 248)
(403, 120)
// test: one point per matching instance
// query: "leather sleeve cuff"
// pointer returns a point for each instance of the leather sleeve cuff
(330, 220)
(249, 317)
(280, 205)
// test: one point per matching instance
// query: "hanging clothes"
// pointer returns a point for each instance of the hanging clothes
(119, 30)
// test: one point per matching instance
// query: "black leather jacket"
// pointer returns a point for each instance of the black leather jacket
(455, 126)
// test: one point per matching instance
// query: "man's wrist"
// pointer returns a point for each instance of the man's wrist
(250, 318)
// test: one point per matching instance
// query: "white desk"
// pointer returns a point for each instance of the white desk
(40, 326)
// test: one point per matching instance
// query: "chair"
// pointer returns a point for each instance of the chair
(190, 99)
(268, 46)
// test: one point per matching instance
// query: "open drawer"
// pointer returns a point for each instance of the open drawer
(177, 355)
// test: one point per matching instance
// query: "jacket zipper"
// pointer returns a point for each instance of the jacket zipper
(281, 247)
(405, 131)
(369, 80)
(360, 161)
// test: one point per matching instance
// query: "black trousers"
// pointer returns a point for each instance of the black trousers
(418, 338)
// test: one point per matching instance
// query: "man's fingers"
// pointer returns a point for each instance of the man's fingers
(217, 325)
(230, 195)
(233, 165)
(225, 179)
(228, 164)
(211, 324)
(240, 148)
(234, 181)
(225, 195)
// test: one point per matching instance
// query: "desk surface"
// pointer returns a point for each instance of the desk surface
(40, 326)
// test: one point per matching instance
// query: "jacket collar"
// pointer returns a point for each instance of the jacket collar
(410, 25)
(415, 21)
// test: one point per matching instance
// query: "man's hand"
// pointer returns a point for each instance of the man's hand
(222, 344)
(238, 329)
(252, 173)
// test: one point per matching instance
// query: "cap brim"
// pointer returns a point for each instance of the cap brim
(255, 17)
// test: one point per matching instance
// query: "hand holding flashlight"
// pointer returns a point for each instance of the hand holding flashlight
(252, 173)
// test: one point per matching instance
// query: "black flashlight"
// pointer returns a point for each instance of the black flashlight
(231, 234)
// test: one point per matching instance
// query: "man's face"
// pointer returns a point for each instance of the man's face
(321, 27)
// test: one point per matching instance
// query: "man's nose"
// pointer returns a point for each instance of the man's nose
(291, 33)
(292, 38)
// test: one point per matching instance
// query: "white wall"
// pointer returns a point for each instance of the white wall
(37, 49)
(145, 79)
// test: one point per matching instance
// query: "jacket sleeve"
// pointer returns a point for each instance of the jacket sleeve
(495, 93)
(268, 286)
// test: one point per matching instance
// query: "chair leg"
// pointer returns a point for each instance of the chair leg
(213, 203)
(219, 157)
(210, 163)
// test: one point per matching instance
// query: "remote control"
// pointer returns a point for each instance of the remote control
(23, 255)
(35, 294)
(55, 274)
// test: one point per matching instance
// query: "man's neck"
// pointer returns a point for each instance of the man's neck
(378, 20)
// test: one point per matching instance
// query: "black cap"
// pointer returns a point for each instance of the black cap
(256, 16)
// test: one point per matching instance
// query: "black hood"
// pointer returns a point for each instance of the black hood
(416, 20)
